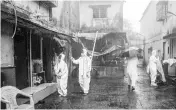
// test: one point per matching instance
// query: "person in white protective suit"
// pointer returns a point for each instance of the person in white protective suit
(152, 67)
(159, 65)
(61, 70)
(132, 72)
(84, 71)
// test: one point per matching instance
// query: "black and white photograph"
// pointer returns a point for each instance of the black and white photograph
(88, 54)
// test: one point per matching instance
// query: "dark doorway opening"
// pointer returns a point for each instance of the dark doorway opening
(20, 58)
(47, 59)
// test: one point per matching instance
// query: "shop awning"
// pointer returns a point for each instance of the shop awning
(61, 42)
(170, 36)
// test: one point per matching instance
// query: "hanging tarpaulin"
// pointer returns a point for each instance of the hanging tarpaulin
(76, 47)
(91, 36)
(131, 52)
(75, 39)
(88, 39)
(105, 43)
(108, 50)
(61, 42)
(111, 49)
(58, 45)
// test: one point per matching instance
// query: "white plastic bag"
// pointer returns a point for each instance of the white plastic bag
(148, 69)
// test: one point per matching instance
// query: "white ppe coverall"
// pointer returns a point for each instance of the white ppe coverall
(132, 71)
(84, 72)
(61, 70)
(160, 69)
(153, 68)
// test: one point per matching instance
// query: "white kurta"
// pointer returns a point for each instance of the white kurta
(84, 72)
(153, 68)
(61, 70)
(132, 71)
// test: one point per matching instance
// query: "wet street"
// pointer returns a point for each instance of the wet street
(112, 93)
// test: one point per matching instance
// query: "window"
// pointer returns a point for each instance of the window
(161, 10)
(99, 11)
(173, 48)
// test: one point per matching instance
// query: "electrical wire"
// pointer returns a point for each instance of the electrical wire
(15, 18)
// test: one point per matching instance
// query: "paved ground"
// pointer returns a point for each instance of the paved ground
(112, 93)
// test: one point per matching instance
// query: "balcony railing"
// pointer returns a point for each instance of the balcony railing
(161, 8)
(101, 22)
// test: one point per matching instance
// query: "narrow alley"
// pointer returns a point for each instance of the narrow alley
(88, 54)
(112, 93)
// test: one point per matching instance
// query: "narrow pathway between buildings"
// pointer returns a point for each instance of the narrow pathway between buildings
(112, 93)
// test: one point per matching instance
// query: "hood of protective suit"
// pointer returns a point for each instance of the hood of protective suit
(154, 53)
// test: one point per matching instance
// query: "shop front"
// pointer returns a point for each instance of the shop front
(171, 61)
(28, 49)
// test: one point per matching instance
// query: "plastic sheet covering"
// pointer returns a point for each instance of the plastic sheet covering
(130, 52)
(109, 50)
(61, 42)
(91, 36)
(76, 48)
(105, 43)
(170, 61)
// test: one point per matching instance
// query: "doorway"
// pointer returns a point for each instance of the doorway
(21, 59)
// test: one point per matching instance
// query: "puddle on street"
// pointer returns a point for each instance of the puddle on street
(119, 105)
(112, 93)
(101, 98)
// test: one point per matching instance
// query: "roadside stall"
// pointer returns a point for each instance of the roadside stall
(105, 48)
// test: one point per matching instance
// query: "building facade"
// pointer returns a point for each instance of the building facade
(158, 25)
(101, 15)
(34, 31)
(67, 14)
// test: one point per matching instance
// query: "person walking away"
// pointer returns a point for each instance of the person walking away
(84, 71)
(61, 70)
(153, 67)
(159, 65)
(132, 72)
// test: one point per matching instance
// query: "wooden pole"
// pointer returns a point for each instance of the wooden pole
(41, 48)
(94, 47)
(30, 57)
